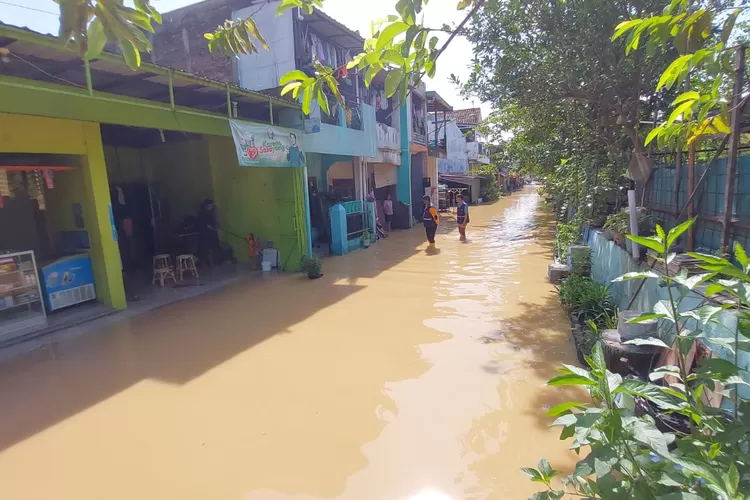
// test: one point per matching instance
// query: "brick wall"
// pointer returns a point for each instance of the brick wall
(179, 41)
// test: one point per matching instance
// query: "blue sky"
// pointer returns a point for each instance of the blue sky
(41, 15)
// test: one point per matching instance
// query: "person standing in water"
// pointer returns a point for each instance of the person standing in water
(388, 211)
(430, 220)
(462, 216)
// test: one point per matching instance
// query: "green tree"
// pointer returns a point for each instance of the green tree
(699, 35)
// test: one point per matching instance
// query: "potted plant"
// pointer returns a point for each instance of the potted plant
(366, 238)
(312, 264)
(617, 225)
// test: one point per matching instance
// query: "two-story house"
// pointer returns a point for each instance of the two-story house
(468, 121)
(337, 145)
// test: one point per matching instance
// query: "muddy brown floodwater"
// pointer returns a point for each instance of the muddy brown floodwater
(400, 374)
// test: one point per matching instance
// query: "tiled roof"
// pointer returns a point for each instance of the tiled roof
(470, 116)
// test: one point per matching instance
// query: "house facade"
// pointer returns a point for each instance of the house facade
(103, 168)
(355, 153)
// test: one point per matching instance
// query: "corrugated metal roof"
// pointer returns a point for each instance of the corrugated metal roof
(470, 116)
(40, 50)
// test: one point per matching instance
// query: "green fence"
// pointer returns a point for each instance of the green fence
(708, 202)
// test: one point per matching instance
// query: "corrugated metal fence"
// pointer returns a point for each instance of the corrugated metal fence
(708, 202)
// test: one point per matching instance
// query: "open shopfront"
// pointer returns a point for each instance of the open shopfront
(46, 263)
(58, 251)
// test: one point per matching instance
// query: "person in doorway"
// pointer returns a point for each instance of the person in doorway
(462, 215)
(430, 220)
(388, 211)
(208, 236)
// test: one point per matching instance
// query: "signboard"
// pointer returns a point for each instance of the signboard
(266, 146)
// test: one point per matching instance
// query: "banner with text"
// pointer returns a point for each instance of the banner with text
(260, 145)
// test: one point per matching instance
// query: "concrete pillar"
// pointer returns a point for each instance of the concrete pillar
(339, 239)
(105, 253)
(404, 170)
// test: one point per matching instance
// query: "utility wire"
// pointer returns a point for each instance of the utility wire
(46, 73)
(30, 8)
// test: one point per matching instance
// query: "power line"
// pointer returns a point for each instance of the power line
(30, 8)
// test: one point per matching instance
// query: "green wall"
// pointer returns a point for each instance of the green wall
(264, 201)
(181, 169)
(29, 134)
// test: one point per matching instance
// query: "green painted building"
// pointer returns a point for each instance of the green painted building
(157, 137)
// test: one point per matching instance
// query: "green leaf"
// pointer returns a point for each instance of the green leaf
(97, 39)
(646, 317)
(392, 81)
(679, 111)
(734, 479)
(287, 4)
(653, 134)
(720, 125)
(648, 391)
(545, 468)
(130, 53)
(636, 276)
(663, 308)
(699, 468)
(291, 76)
(675, 233)
(392, 56)
(648, 341)
(389, 33)
(570, 380)
(372, 70)
(558, 410)
(665, 371)
(532, 473)
(740, 255)
(726, 31)
(624, 26)
(565, 420)
(649, 242)
(678, 495)
(691, 95)
(598, 363)
(673, 71)
(290, 86)
(690, 282)
(307, 99)
(714, 289)
(323, 101)
(648, 435)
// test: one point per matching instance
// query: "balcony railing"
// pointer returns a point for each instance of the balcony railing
(388, 137)
(418, 138)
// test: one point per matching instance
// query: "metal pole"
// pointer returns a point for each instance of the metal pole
(89, 81)
(734, 143)
(270, 109)
(633, 209)
(229, 102)
(691, 186)
(171, 90)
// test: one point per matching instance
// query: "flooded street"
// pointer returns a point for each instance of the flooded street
(400, 374)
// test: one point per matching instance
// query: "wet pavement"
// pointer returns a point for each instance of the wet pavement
(401, 374)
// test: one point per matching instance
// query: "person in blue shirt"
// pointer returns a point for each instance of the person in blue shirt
(462, 216)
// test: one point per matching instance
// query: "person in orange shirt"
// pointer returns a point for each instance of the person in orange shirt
(430, 220)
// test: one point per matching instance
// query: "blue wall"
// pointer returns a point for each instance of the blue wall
(404, 170)
(337, 140)
(608, 261)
